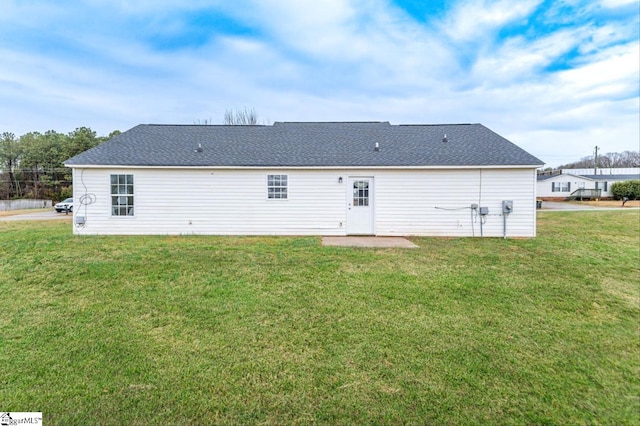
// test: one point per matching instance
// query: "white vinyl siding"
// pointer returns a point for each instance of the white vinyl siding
(233, 202)
(437, 203)
(183, 201)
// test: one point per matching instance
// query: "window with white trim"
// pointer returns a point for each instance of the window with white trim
(277, 186)
(121, 195)
(602, 185)
(560, 186)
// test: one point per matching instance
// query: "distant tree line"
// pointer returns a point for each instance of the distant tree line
(31, 165)
(608, 160)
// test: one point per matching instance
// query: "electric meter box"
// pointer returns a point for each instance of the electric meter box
(507, 206)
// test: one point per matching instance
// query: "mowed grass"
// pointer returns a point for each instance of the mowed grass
(267, 330)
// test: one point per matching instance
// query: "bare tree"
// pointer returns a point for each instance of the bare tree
(610, 159)
(583, 163)
(631, 159)
(607, 160)
(241, 118)
(204, 122)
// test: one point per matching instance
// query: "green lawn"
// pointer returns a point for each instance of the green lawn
(262, 330)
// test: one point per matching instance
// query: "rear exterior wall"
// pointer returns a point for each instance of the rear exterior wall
(420, 202)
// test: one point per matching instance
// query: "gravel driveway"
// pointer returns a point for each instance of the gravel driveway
(38, 215)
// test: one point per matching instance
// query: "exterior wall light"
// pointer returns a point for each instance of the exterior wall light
(340, 179)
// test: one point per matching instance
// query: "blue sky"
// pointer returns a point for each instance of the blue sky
(555, 77)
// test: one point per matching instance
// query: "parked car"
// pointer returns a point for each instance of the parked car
(66, 205)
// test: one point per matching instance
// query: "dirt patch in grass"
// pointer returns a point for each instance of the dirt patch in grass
(4, 213)
(608, 203)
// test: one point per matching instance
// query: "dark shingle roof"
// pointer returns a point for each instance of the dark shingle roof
(612, 177)
(307, 145)
(562, 175)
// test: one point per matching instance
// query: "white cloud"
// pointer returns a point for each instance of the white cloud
(613, 72)
(326, 60)
(471, 20)
(146, 7)
(558, 146)
(617, 3)
(518, 60)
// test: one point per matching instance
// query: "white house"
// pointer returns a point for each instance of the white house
(561, 186)
(370, 178)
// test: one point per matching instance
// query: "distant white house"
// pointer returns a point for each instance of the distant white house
(306, 179)
(561, 186)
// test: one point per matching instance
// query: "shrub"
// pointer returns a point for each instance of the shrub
(66, 192)
(629, 189)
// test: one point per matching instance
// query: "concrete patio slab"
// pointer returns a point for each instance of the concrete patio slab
(381, 242)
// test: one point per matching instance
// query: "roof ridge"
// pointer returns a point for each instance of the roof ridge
(307, 122)
(204, 125)
(441, 124)
(331, 122)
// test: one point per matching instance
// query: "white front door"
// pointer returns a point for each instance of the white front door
(360, 206)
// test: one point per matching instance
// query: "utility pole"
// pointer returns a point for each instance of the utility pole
(595, 162)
